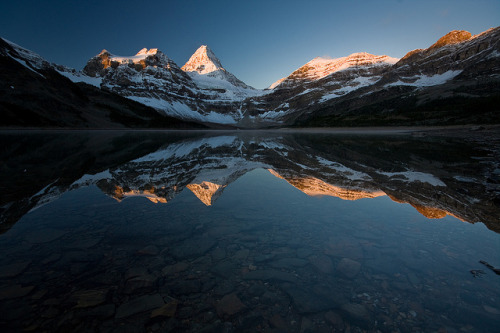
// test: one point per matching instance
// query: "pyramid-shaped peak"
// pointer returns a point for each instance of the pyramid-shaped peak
(203, 61)
(205, 51)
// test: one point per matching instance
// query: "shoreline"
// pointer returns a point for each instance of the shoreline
(414, 130)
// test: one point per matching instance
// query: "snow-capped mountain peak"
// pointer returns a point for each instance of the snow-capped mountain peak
(206, 69)
(203, 61)
(140, 56)
(145, 51)
(321, 67)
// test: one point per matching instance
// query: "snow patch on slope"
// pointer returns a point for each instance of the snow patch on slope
(25, 64)
(80, 77)
(426, 81)
(413, 176)
(141, 55)
(179, 109)
(351, 86)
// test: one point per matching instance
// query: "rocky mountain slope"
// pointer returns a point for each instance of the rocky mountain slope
(454, 81)
(320, 67)
(202, 90)
(33, 93)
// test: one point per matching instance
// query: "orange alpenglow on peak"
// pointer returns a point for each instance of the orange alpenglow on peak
(145, 51)
(453, 37)
(428, 211)
(203, 61)
(207, 192)
(119, 194)
(316, 187)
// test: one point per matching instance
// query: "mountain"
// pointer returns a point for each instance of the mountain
(456, 80)
(33, 93)
(203, 64)
(202, 90)
(319, 68)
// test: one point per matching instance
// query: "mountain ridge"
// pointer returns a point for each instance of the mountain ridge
(321, 67)
(361, 87)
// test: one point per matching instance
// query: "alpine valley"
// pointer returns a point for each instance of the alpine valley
(454, 81)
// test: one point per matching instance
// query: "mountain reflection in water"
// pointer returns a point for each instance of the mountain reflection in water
(438, 177)
(248, 231)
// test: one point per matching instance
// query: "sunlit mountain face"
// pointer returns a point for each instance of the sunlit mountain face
(437, 176)
(249, 231)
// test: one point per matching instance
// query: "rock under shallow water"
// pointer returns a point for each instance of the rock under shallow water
(304, 302)
(230, 305)
(13, 270)
(44, 236)
(138, 305)
(175, 268)
(15, 291)
(323, 263)
(194, 247)
(358, 313)
(334, 318)
(168, 310)
(150, 250)
(270, 275)
(348, 267)
(89, 298)
(142, 283)
(288, 263)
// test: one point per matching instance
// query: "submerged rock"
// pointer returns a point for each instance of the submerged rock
(323, 263)
(44, 236)
(358, 313)
(138, 305)
(13, 270)
(15, 291)
(229, 305)
(348, 267)
(89, 298)
(167, 310)
(195, 247)
(270, 275)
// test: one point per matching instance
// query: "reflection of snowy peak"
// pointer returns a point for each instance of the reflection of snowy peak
(161, 175)
(207, 192)
(316, 187)
(345, 167)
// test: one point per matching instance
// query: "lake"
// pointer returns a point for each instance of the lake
(249, 231)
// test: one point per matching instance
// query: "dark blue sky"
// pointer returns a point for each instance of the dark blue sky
(258, 41)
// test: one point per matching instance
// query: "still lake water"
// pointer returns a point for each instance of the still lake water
(248, 232)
